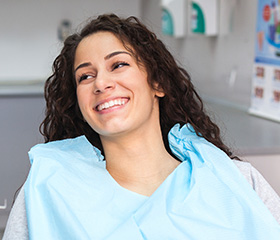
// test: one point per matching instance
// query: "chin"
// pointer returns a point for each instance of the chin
(112, 130)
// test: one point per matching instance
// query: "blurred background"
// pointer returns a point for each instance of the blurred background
(221, 63)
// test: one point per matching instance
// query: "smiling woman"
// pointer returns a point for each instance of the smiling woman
(130, 152)
(112, 90)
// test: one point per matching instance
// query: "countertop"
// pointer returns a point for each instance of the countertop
(22, 88)
(245, 134)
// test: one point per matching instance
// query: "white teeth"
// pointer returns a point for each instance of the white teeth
(111, 103)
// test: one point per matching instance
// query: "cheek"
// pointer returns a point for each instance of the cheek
(82, 99)
(79, 98)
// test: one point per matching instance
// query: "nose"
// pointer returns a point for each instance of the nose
(103, 83)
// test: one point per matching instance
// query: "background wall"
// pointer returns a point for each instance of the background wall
(210, 60)
(29, 32)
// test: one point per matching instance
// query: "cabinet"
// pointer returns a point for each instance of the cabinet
(19, 127)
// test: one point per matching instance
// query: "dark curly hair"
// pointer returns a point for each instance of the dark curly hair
(181, 103)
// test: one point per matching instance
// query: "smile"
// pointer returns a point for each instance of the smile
(111, 104)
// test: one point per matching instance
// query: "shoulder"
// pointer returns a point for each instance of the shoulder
(16, 227)
(71, 148)
(261, 186)
(246, 169)
(61, 145)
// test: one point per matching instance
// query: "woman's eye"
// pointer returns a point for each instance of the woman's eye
(84, 77)
(119, 65)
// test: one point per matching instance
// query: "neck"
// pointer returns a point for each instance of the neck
(139, 163)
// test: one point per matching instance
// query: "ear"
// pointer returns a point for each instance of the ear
(158, 90)
(160, 94)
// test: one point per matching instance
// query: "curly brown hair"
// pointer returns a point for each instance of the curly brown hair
(181, 103)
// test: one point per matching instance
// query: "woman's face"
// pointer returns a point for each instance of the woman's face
(112, 89)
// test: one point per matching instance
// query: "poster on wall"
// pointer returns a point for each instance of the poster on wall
(265, 95)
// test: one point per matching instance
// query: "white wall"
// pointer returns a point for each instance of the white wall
(29, 43)
(28, 29)
(210, 60)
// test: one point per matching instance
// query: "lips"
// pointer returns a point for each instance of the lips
(111, 103)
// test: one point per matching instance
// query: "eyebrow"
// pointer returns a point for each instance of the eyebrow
(115, 53)
(87, 64)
